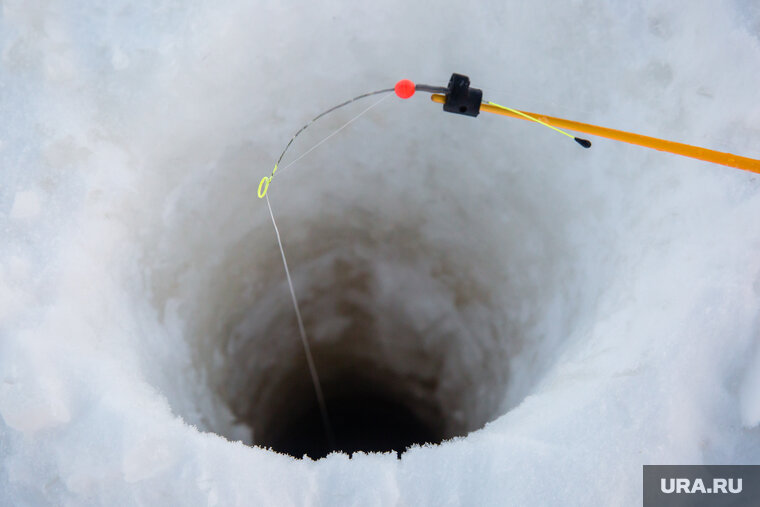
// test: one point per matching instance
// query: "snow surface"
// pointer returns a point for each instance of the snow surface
(601, 304)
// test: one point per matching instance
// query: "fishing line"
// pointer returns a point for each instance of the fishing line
(266, 180)
(302, 330)
(349, 122)
(583, 142)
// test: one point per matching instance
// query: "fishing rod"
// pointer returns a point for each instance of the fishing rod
(462, 99)
(459, 97)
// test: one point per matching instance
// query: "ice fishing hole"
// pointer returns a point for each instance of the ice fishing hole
(407, 337)
(395, 371)
(429, 313)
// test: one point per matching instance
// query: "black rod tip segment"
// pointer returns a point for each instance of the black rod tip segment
(431, 89)
(583, 142)
(460, 98)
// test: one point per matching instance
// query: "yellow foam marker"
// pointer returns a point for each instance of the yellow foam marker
(717, 157)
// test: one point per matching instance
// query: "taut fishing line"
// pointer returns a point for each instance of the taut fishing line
(266, 180)
(459, 98)
(307, 350)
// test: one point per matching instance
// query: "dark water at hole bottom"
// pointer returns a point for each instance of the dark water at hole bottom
(360, 422)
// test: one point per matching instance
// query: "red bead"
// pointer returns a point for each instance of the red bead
(404, 88)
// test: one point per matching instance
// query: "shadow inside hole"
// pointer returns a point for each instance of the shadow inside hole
(361, 421)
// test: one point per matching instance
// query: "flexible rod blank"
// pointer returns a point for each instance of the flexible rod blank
(717, 157)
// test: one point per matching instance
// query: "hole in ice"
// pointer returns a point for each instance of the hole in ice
(430, 309)
(396, 365)
(406, 338)
(361, 419)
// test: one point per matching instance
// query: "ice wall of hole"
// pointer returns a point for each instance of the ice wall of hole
(424, 294)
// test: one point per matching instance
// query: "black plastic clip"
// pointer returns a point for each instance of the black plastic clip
(460, 98)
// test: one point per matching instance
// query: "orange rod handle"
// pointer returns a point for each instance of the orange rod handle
(717, 157)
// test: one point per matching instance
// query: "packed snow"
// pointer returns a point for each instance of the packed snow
(559, 316)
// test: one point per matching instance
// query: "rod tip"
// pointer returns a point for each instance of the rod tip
(583, 142)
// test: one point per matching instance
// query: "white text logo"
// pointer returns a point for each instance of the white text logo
(682, 485)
